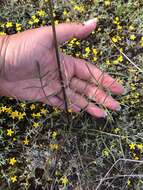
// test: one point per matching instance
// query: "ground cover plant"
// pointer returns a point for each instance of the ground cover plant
(36, 150)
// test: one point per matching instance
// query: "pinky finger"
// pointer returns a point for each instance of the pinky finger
(57, 102)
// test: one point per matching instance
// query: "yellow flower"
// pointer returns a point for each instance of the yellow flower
(129, 182)
(94, 58)
(120, 58)
(64, 180)
(56, 22)
(79, 8)
(9, 24)
(44, 111)
(132, 146)
(26, 141)
(108, 62)
(14, 114)
(13, 179)
(33, 17)
(87, 49)
(30, 22)
(35, 124)
(132, 37)
(32, 107)
(94, 51)
(140, 146)
(8, 110)
(18, 27)
(23, 105)
(136, 158)
(119, 27)
(9, 132)
(131, 27)
(36, 115)
(115, 62)
(41, 13)
(116, 130)
(65, 13)
(54, 146)
(36, 20)
(2, 33)
(114, 39)
(12, 161)
(107, 2)
(54, 134)
(3, 108)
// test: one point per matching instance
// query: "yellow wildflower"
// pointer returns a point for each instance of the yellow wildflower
(12, 161)
(18, 27)
(3, 108)
(114, 39)
(44, 111)
(8, 110)
(9, 24)
(64, 180)
(23, 105)
(30, 22)
(41, 13)
(87, 49)
(36, 20)
(131, 27)
(2, 33)
(56, 22)
(21, 115)
(140, 146)
(36, 114)
(9, 132)
(136, 158)
(14, 114)
(79, 8)
(35, 124)
(26, 141)
(120, 58)
(94, 58)
(132, 146)
(65, 13)
(32, 107)
(107, 2)
(54, 146)
(95, 51)
(54, 134)
(129, 182)
(107, 62)
(13, 179)
(119, 27)
(132, 37)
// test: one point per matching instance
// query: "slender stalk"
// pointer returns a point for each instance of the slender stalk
(58, 60)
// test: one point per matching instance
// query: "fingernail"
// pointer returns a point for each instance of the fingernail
(91, 21)
(118, 108)
(125, 91)
(105, 114)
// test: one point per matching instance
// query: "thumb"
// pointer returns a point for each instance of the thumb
(68, 31)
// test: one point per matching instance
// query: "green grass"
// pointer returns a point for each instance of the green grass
(95, 154)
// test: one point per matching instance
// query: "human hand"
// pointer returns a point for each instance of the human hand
(31, 54)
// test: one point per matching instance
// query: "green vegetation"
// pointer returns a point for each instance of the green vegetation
(36, 151)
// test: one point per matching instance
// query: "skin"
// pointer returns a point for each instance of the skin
(25, 52)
